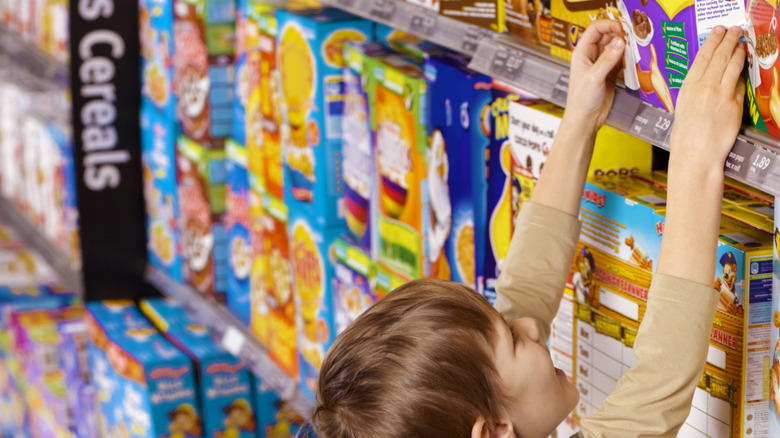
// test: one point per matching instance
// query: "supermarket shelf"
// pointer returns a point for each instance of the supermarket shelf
(59, 261)
(754, 159)
(39, 64)
(234, 337)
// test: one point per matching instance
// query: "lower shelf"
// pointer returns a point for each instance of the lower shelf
(233, 337)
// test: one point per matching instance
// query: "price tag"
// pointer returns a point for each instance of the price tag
(561, 88)
(652, 124)
(347, 4)
(423, 23)
(382, 9)
(471, 38)
(760, 163)
(506, 65)
(233, 341)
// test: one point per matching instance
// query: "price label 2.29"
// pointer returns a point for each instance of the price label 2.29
(652, 123)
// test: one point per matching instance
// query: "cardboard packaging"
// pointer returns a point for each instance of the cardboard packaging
(201, 177)
(762, 87)
(274, 309)
(204, 41)
(158, 157)
(611, 275)
(156, 32)
(274, 417)
(486, 14)
(310, 63)
(238, 226)
(401, 149)
(361, 200)
(312, 256)
(459, 134)
(224, 383)
(354, 284)
(530, 20)
(145, 386)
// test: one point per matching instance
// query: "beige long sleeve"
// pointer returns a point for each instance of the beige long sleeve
(654, 397)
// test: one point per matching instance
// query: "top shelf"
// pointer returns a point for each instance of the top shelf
(754, 159)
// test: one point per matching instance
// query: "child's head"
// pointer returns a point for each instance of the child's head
(434, 359)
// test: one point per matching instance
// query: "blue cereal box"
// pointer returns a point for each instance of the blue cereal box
(311, 252)
(274, 417)
(117, 315)
(75, 367)
(158, 158)
(204, 38)
(360, 188)
(157, 45)
(145, 385)
(353, 284)
(225, 386)
(459, 133)
(238, 225)
(310, 63)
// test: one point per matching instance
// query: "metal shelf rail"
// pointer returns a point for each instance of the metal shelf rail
(69, 276)
(754, 159)
(234, 337)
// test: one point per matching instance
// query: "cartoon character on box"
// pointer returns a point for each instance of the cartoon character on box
(156, 28)
(238, 417)
(184, 422)
(583, 277)
(729, 300)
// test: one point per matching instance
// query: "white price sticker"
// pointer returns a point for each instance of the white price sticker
(233, 341)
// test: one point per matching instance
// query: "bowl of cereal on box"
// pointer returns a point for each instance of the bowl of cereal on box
(393, 196)
(642, 27)
(766, 49)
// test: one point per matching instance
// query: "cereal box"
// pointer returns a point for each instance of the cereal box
(499, 192)
(569, 20)
(353, 284)
(487, 14)
(118, 315)
(360, 188)
(459, 133)
(388, 35)
(145, 385)
(157, 46)
(312, 256)
(401, 149)
(274, 417)
(531, 20)
(247, 62)
(310, 63)
(158, 158)
(63, 225)
(238, 225)
(224, 382)
(657, 63)
(264, 114)
(274, 309)
(387, 281)
(75, 367)
(258, 323)
(204, 37)
(611, 274)
(201, 177)
(774, 368)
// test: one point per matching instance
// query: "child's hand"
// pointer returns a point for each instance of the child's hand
(594, 65)
(709, 106)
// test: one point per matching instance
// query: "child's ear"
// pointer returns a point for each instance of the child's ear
(502, 430)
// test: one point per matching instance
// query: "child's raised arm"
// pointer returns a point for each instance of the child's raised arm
(534, 274)
(654, 397)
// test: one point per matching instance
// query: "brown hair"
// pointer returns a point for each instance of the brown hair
(419, 363)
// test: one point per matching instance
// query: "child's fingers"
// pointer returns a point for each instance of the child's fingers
(722, 55)
(734, 68)
(706, 51)
(610, 57)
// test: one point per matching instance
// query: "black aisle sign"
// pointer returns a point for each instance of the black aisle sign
(105, 85)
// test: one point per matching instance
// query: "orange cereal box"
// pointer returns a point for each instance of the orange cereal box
(279, 304)
(401, 146)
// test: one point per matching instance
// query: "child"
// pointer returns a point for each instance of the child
(433, 359)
